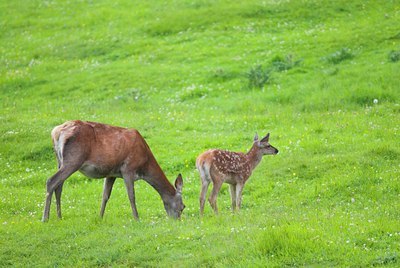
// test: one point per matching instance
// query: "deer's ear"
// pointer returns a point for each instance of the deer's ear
(266, 138)
(179, 183)
(256, 137)
(256, 140)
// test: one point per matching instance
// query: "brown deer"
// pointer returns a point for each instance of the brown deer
(218, 166)
(103, 151)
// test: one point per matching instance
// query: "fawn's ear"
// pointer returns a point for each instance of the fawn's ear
(179, 184)
(266, 138)
(256, 137)
(256, 141)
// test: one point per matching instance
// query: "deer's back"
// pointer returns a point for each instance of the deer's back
(103, 147)
(226, 162)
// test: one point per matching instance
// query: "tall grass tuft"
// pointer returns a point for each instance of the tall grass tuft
(339, 56)
(286, 63)
(394, 56)
(258, 76)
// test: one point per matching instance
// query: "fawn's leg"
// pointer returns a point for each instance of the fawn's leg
(232, 188)
(203, 193)
(214, 194)
(108, 185)
(239, 191)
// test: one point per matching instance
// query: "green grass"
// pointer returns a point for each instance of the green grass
(178, 71)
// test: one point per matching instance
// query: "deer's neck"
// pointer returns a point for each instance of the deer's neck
(154, 175)
(254, 155)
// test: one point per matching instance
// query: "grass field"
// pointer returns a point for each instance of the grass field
(321, 76)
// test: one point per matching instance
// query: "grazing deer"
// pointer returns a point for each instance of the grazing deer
(219, 166)
(104, 151)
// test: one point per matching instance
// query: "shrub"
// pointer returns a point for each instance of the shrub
(283, 64)
(339, 56)
(394, 56)
(258, 77)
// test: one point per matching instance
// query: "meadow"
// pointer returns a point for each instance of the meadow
(321, 76)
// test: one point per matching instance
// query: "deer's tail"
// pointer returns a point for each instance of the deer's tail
(203, 167)
(60, 136)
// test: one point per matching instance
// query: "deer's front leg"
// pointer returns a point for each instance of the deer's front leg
(129, 183)
(239, 191)
(232, 189)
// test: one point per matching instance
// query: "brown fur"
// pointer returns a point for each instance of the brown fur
(103, 151)
(218, 166)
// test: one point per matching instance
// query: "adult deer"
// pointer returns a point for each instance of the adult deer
(103, 151)
(218, 166)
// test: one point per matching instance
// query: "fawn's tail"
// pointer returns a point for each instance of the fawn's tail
(203, 167)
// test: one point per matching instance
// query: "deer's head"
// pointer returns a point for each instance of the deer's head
(174, 205)
(264, 145)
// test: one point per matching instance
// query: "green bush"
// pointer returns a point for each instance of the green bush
(284, 63)
(258, 77)
(394, 56)
(340, 55)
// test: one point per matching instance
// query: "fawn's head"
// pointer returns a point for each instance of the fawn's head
(174, 206)
(264, 145)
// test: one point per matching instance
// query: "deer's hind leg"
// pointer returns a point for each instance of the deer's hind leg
(204, 171)
(68, 163)
(204, 188)
(214, 194)
(58, 192)
(54, 183)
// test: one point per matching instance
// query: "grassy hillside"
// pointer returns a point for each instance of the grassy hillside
(321, 76)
